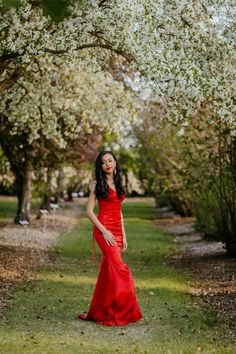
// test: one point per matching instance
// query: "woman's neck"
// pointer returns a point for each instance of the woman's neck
(110, 180)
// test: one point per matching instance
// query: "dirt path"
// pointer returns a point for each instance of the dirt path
(212, 270)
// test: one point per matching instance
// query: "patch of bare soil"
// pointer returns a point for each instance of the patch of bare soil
(213, 272)
(22, 250)
(17, 265)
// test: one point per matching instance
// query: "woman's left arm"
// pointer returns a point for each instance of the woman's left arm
(125, 244)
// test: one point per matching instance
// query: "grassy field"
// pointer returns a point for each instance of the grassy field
(42, 316)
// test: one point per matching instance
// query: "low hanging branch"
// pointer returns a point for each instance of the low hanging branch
(128, 57)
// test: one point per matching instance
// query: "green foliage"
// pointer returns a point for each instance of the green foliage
(216, 216)
(193, 167)
(7, 4)
(56, 9)
(207, 213)
(210, 157)
(160, 165)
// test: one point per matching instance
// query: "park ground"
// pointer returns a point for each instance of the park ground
(185, 286)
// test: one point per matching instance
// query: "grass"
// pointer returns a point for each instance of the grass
(8, 207)
(41, 318)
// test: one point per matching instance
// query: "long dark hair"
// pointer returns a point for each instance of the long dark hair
(102, 187)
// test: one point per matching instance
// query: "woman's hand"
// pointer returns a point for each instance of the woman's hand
(110, 239)
(125, 244)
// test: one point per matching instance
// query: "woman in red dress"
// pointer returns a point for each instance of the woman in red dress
(114, 302)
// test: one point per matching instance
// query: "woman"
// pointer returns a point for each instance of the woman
(114, 302)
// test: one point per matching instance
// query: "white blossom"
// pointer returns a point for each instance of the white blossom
(184, 51)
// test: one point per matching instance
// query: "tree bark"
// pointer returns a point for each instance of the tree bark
(23, 187)
(21, 166)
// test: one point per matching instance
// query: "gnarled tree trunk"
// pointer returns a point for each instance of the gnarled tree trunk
(23, 187)
(21, 166)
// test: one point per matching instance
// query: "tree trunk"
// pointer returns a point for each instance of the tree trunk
(21, 166)
(23, 187)
(47, 193)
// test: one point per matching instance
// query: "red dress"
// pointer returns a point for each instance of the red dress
(114, 302)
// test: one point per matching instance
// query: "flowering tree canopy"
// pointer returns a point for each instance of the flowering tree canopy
(55, 102)
(57, 77)
(183, 51)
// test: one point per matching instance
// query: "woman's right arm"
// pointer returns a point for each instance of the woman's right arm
(93, 218)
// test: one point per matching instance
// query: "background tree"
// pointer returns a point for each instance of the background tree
(179, 55)
(51, 109)
(192, 168)
(160, 164)
(210, 158)
(182, 51)
(78, 152)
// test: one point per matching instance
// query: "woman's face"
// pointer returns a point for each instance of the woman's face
(108, 163)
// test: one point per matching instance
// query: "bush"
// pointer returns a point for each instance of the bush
(211, 164)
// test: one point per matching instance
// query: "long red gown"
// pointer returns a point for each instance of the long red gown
(114, 302)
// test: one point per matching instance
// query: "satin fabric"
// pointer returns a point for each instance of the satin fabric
(114, 302)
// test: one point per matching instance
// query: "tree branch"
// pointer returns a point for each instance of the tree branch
(9, 82)
(185, 21)
(128, 57)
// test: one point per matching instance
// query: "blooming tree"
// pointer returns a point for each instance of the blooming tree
(183, 51)
(57, 101)
(53, 108)
(52, 80)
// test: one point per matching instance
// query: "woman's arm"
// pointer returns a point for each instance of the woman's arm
(125, 244)
(93, 218)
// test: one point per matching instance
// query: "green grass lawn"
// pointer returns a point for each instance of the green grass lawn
(42, 316)
(8, 207)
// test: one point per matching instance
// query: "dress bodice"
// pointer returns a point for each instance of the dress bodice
(112, 198)
(110, 216)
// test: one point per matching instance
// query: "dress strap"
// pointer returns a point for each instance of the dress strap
(94, 254)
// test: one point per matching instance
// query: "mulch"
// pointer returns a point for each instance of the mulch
(18, 265)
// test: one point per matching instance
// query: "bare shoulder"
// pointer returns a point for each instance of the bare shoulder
(93, 185)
